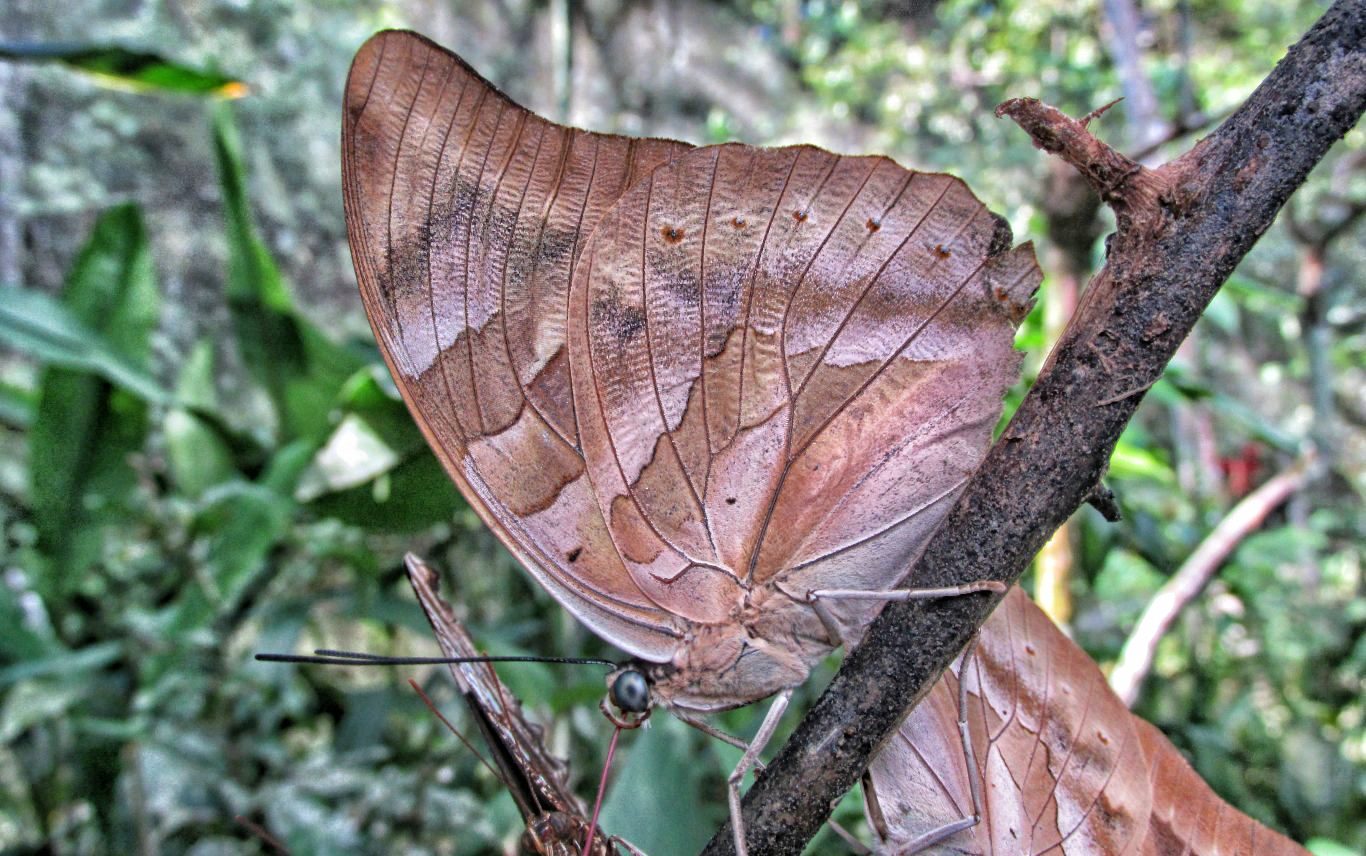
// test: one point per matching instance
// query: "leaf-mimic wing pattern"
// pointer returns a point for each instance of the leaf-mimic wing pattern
(684, 386)
(466, 215)
(1066, 768)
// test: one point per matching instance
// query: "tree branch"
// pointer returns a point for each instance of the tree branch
(1136, 658)
(1182, 228)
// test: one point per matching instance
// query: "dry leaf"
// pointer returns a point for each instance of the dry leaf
(556, 821)
(1066, 768)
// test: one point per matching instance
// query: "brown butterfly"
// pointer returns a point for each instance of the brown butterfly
(1061, 765)
(556, 824)
(714, 399)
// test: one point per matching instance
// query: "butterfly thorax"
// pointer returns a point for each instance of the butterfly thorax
(770, 645)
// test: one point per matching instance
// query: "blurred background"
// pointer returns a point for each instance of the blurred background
(201, 455)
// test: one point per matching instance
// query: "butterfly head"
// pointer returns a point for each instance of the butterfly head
(630, 695)
(629, 690)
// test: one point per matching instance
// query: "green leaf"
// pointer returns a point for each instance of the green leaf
(244, 523)
(1328, 847)
(68, 664)
(287, 467)
(352, 456)
(34, 702)
(414, 495)
(1222, 312)
(195, 385)
(35, 324)
(112, 287)
(83, 433)
(125, 68)
(17, 404)
(84, 430)
(28, 635)
(300, 368)
(655, 801)
(197, 455)
(1132, 461)
(370, 392)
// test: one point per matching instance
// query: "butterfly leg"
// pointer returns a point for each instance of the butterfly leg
(930, 838)
(751, 759)
(748, 761)
(934, 836)
(832, 626)
(710, 730)
(618, 841)
(856, 846)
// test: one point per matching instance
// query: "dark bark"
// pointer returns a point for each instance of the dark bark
(1182, 228)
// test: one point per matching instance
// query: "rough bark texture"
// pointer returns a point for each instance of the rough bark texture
(1182, 228)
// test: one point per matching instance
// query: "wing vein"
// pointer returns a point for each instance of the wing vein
(753, 277)
(475, 203)
(906, 343)
(429, 291)
(787, 310)
(654, 377)
(616, 458)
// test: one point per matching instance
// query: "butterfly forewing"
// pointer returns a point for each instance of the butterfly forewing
(467, 215)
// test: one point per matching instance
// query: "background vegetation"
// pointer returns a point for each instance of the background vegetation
(202, 455)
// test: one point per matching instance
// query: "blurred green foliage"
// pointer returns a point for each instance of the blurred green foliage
(170, 507)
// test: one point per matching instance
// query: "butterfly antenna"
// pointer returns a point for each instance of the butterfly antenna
(602, 789)
(461, 737)
(331, 657)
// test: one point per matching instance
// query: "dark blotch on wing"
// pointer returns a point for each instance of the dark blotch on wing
(624, 322)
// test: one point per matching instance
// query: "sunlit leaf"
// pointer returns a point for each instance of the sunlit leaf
(198, 456)
(195, 384)
(1329, 847)
(126, 68)
(33, 702)
(352, 456)
(413, 495)
(1132, 461)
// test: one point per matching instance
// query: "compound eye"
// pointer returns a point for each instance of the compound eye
(631, 692)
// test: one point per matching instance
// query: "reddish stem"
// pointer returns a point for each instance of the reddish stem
(602, 789)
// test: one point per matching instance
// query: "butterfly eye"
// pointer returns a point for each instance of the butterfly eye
(631, 692)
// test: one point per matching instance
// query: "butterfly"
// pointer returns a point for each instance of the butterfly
(1060, 764)
(556, 824)
(714, 399)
